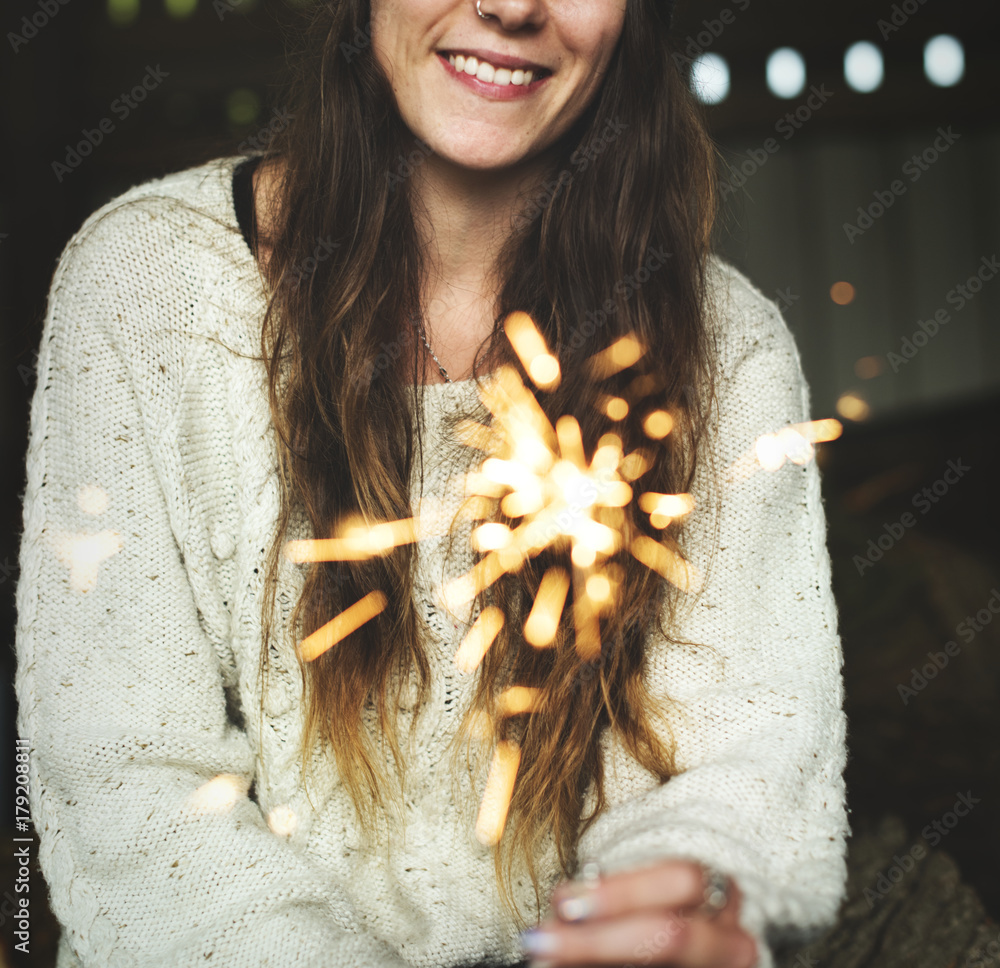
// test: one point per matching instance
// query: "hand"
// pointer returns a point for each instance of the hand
(639, 917)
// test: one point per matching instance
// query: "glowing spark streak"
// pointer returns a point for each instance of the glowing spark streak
(635, 465)
(519, 503)
(599, 589)
(597, 536)
(570, 440)
(478, 639)
(667, 563)
(515, 406)
(358, 543)
(478, 483)
(617, 495)
(459, 591)
(620, 354)
(794, 443)
(508, 472)
(84, 553)
(528, 343)
(585, 619)
(817, 431)
(92, 499)
(615, 407)
(543, 620)
(517, 700)
(608, 455)
(476, 508)
(499, 788)
(342, 625)
(282, 820)
(670, 505)
(658, 424)
(477, 435)
(490, 537)
(220, 794)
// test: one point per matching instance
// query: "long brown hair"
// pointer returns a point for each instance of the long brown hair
(634, 176)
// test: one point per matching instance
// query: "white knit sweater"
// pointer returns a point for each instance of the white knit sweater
(137, 646)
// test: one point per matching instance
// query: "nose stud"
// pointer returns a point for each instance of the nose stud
(485, 16)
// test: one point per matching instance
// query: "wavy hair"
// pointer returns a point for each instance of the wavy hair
(634, 175)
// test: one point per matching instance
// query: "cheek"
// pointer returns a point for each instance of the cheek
(594, 34)
(383, 29)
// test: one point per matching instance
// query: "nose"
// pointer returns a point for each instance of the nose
(514, 14)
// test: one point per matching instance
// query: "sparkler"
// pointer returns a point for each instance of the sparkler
(557, 500)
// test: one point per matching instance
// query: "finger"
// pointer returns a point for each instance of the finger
(667, 884)
(646, 938)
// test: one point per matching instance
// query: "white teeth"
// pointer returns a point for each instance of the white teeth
(486, 72)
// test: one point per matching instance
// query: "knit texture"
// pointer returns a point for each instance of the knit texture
(152, 495)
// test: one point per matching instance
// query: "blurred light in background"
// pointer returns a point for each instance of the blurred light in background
(863, 67)
(944, 60)
(852, 407)
(179, 9)
(868, 367)
(710, 78)
(842, 293)
(242, 106)
(122, 12)
(786, 72)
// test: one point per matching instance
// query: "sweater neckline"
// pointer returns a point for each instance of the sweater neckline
(432, 392)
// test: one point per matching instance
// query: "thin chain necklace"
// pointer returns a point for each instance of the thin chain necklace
(418, 321)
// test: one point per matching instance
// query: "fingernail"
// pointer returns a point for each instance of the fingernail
(577, 906)
(539, 943)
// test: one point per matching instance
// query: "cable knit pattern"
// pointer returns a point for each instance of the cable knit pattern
(152, 496)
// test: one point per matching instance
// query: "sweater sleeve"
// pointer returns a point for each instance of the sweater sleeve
(755, 708)
(153, 851)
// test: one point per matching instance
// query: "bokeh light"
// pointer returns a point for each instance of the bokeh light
(842, 293)
(863, 66)
(710, 78)
(786, 72)
(944, 60)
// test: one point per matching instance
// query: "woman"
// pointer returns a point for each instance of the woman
(207, 789)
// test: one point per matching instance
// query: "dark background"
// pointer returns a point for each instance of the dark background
(786, 230)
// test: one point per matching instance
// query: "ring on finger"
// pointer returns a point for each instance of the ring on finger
(715, 893)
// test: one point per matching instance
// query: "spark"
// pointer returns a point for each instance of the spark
(542, 366)
(792, 443)
(282, 821)
(499, 788)
(92, 499)
(620, 355)
(555, 500)
(83, 555)
(517, 700)
(478, 639)
(667, 563)
(220, 794)
(543, 619)
(342, 625)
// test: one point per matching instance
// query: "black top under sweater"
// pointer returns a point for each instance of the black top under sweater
(246, 215)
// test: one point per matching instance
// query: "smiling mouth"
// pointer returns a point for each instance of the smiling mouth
(489, 74)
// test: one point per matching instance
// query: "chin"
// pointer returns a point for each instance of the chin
(482, 160)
